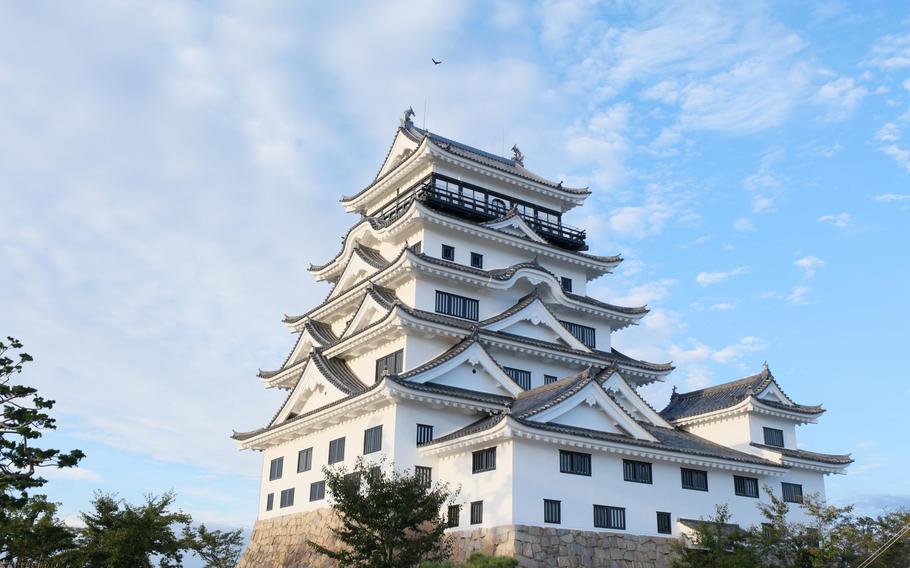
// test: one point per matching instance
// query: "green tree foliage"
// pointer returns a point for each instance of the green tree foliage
(34, 536)
(717, 544)
(387, 520)
(476, 560)
(218, 549)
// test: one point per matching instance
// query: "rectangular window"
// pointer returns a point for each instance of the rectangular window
(353, 478)
(566, 284)
(372, 439)
(458, 306)
(523, 378)
(287, 498)
(552, 512)
(424, 434)
(606, 517)
(452, 517)
(549, 379)
(483, 460)
(269, 501)
(694, 479)
(304, 460)
(374, 474)
(317, 491)
(476, 512)
(574, 462)
(774, 437)
(583, 333)
(424, 475)
(336, 451)
(448, 253)
(639, 472)
(745, 486)
(663, 523)
(275, 468)
(390, 364)
(476, 260)
(792, 492)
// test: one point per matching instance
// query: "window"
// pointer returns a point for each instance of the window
(424, 475)
(317, 491)
(476, 512)
(663, 523)
(458, 306)
(424, 434)
(523, 378)
(499, 206)
(476, 260)
(639, 472)
(372, 439)
(793, 492)
(417, 247)
(452, 517)
(275, 468)
(566, 284)
(552, 511)
(374, 474)
(583, 333)
(353, 478)
(448, 253)
(336, 451)
(390, 364)
(549, 379)
(774, 437)
(574, 462)
(287, 498)
(745, 486)
(269, 501)
(694, 479)
(304, 460)
(484, 460)
(606, 517)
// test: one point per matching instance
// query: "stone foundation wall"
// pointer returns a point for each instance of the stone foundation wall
(282, 543)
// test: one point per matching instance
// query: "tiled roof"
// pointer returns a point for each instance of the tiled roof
(371, 256)
(484, 423)
(452, 352)
(833, 459)
(457, 392)
(321, 332)
(374, 222)
(385, 297)
(337, 372)
(541, 398)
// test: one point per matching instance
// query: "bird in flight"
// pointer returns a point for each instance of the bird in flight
(435, 62)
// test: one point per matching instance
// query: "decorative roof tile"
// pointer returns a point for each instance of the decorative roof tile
(337, 372)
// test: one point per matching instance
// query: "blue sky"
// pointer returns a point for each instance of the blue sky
(168, 171)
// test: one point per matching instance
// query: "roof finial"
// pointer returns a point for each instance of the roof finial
(674, 395)
(406, 121)
(764, 367)
(517, 156)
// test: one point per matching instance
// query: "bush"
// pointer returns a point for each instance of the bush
(476, 560)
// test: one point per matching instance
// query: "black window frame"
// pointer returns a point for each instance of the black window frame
(634, 471)
(745, 486)
(566, 283)
(424, 474)
(396, 358)
(269, 501)
(424, 434)
(550, 379)
(334, 450)
(447, 253)
(453, 516)
(608, 514)
(575, 463)
(476, 512)
(317, 490)
(276, 468)
(305, 460)
(552, 511)
(792, 492)
(689, 481)
(457, 306)
(287, 498)
(521, 377)
(476, 260)
(664, 522)
(372, 440)
(772, 436)
(584, 333)
(483, 460)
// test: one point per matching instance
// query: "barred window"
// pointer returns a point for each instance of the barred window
(574, 462)
(476, 512)
(458, 306)
(389, 365)
(694, 479)
(448, 252)
(317, 491)
(453, 516)
(304, 460)
(583, 333)
(663, 523)
(336, 451)
(269, 501)
(552, 511)
(566, 283)
(792, 492)
(275, 468)
(372, 439)
(523, 378)
(476, 260)
(353, 478)
(639, 472)
(424, 434)
(287, 498)
(424, 475)
(549, 379)
(483, 460)
(606, 517)
(774, 437)
(745, 486)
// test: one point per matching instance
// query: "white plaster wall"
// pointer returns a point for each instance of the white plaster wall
(364, 365)
(731, 432)
(758, 422)
(495, 488)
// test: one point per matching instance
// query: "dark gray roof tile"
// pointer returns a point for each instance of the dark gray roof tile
(833, 459)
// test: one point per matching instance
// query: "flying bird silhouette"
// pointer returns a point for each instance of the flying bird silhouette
(435, 62)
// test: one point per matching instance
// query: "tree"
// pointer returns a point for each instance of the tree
(476, 560)
(387, 520)
(35, 536)
(118, 533)
(717, 544)
(218, 549)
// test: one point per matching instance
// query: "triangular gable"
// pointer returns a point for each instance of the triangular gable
(536, 321)
(312, 391)
(593, 409)
(773, 393)
(632, 402)
(514, 224)
(472, 369)
(402, 147)
(355, 271)
(369, 312)
(306, 342)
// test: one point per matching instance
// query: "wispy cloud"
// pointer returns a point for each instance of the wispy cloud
(743, 224)
(892, 197)
(840, 97)
(809, 264)
(711, 278)
(839, 220)
(799, 295)
(891, 53)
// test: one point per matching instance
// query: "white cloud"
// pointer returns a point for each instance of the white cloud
(889, 136)
(809, 264)
(839, 220)
(710, 278)
(890, 52)
(743, 224)
(798, 295)
(646, 293)
(891, 197)
(840, 96)
(735, 351)
(70, 473)
(723, 306)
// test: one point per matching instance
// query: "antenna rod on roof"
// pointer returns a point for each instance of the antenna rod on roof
(424, 114)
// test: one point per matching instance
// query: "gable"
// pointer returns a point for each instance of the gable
(515, 225)
(368, 313)
(591, 418)
(537, 322)
(631, 402)
(355, 271)
(472, 369)
(401, 149)
(773, 393)
(472, 377)
(311, 392)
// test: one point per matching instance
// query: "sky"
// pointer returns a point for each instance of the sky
(168, 171)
